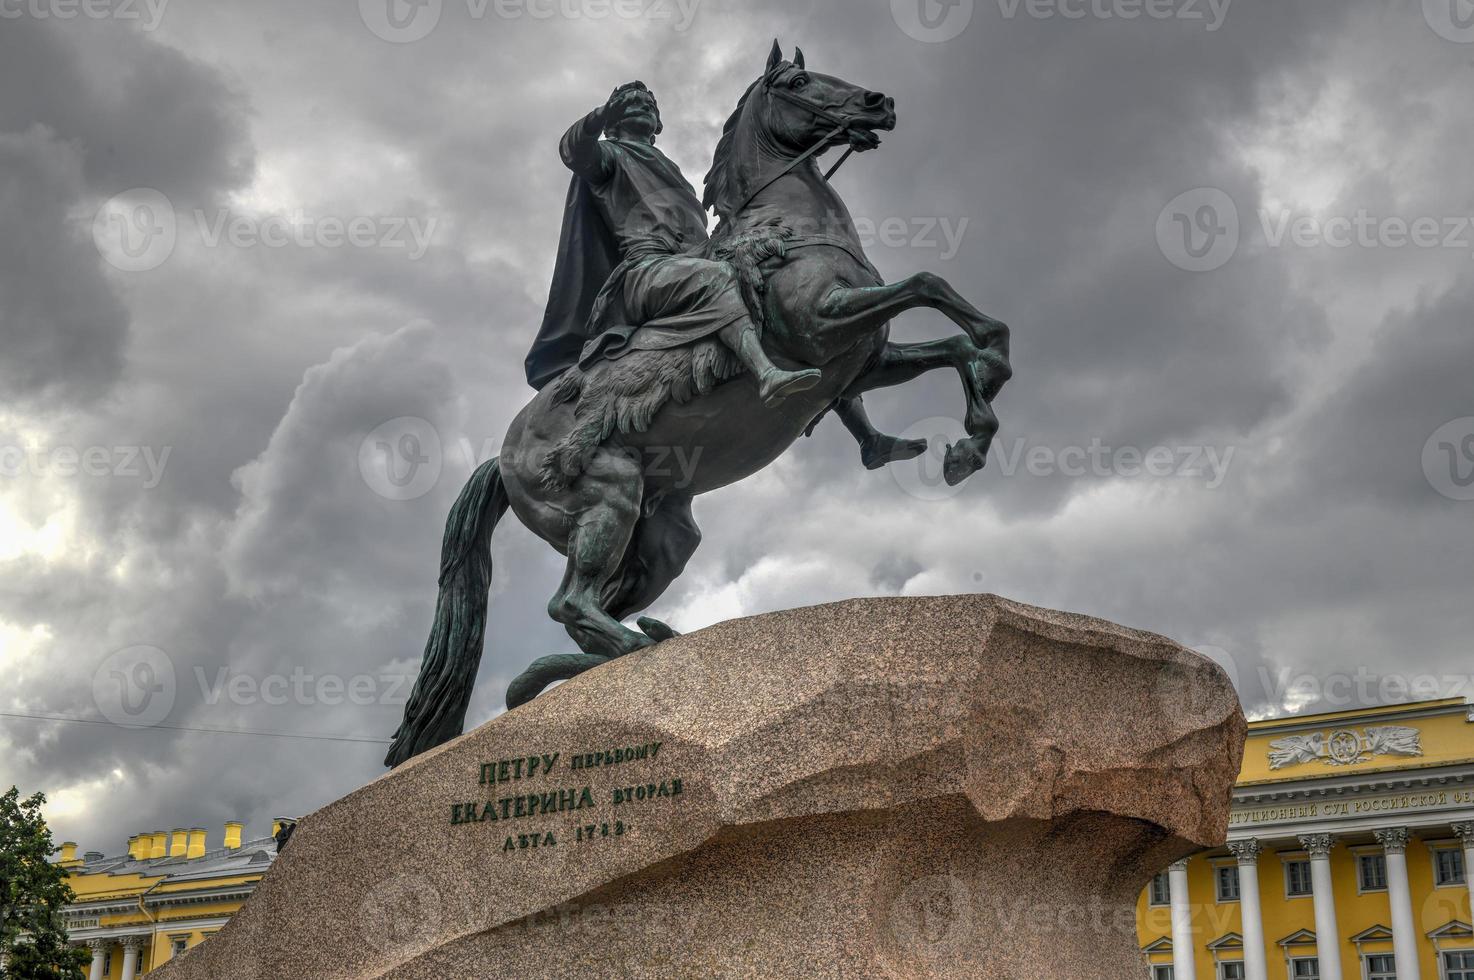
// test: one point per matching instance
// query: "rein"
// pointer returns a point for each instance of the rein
(840, 125)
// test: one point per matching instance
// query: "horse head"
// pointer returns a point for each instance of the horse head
(790, 112)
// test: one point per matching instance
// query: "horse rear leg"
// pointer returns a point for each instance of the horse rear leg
(664, 540)
(607, 499)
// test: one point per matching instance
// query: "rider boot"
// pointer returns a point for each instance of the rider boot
(774, 384)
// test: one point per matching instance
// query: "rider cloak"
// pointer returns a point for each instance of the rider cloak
(659, 294)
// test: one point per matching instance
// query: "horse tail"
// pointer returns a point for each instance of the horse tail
(436, 711)
(544, 670)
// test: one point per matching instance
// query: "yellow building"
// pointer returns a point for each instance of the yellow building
(166, 894)
(1349, 848)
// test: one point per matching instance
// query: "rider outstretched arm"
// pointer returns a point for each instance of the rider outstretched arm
(584, 152)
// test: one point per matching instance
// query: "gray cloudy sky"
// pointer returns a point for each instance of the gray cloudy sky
(243, 237)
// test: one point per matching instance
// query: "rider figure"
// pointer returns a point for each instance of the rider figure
(626, 277)
(660, 294)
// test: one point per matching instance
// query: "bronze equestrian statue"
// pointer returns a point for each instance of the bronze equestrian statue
(658, 338)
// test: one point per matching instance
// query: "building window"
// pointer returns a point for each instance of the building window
(1297, 878)
(179, 945)
(107, 962)
(1305, 968)
(1162, 972)
(1371, 872)
(1231, 971)
(1381, 967)
(1459, 966)
(1448, 866)
(1160, 892)
(1228, 883)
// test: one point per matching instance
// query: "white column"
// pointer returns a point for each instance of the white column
(131, 946)
(1182, 921)
(1327, 932)
(1465, 831)
(1247, 852)
(1400, 897)
(100, 948)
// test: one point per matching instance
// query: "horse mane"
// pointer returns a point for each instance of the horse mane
(718, 178)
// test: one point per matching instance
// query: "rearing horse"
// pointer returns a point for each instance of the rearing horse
(579, 463)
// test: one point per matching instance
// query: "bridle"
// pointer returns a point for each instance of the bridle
(841, 125)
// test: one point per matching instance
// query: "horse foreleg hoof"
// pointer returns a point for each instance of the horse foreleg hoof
(545, 670)
(655, 629)
(875, 453)
(961, 461)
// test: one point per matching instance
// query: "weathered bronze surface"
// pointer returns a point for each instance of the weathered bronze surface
(660, 341)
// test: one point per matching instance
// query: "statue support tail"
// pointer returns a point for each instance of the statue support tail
(436, 711)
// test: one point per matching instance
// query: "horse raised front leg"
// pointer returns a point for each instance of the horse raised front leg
(860, 308)
(900, 363)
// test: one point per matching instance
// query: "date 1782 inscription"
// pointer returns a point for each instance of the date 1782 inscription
(526, 800)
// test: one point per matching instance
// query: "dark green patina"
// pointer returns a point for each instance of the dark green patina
(661, 343)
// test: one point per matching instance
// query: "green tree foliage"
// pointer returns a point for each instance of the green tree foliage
(33, 893)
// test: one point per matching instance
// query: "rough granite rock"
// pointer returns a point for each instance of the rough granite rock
(949, 787)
